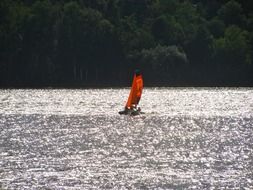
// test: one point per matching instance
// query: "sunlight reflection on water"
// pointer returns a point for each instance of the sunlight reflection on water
(75, 139)
(163, 101)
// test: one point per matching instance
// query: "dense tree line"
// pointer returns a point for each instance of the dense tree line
(101, 42)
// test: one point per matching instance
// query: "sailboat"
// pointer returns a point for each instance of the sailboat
(131, 107)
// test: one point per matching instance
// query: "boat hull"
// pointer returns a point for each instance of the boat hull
(131, 112)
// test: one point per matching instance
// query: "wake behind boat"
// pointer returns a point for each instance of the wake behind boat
(134, 97)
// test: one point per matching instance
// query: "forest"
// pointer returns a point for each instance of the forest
(99, 43)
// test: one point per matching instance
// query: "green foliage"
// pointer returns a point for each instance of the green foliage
(160, 28)
(96, 41)
(234, 48)
(216, 27)
(231, 13)
(189, 19)
(164, 61)
(163, 57)
(201, 47)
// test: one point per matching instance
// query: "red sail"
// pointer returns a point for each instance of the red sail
(136, 91)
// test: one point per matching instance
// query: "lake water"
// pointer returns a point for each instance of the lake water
(188, 138)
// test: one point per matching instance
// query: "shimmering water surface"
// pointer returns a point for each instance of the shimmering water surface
(75, 139)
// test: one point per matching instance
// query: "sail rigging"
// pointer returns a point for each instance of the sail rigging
(136, 91)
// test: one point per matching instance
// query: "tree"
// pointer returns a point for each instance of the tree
(234, 48)
(200, 49)
(160, 28)
(165, 62)
(4, 46)
(188, 17)
(86, 43)
(97, 41)
(216, 27)
(231, 13)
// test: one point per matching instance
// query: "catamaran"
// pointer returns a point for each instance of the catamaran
(131, 107)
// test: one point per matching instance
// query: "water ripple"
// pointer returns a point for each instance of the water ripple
(52, 143)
